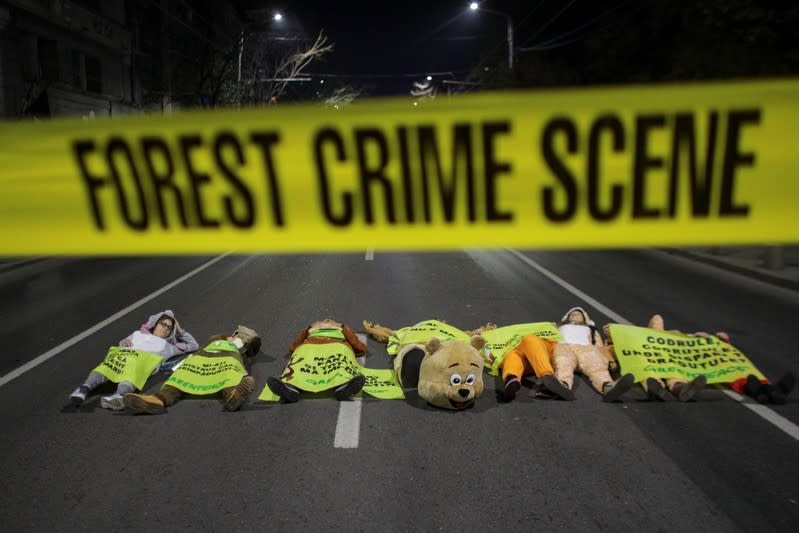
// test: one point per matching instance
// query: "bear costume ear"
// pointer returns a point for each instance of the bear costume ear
(432, 345)
(478, 342)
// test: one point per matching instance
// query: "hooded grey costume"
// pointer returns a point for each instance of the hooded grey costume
(178, 342)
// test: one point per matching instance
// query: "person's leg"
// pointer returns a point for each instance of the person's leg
(513, 368)
(656, 389)
(594, 365)
(114, 401)
(93, 380)
(353, 386)
(786, 383)
(152, 404)
(564, 362)
(286, 392)
(684, 390)
(536, 352)
(235, 396)
(755, 388)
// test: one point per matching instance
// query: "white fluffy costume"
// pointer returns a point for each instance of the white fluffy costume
(582, 350)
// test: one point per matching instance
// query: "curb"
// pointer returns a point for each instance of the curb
(746, 271)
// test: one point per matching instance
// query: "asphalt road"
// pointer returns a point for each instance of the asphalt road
(585, 465)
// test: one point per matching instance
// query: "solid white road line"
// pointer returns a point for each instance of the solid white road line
(348, 425)
(761, 410)
(100, 325)
(370, 254)
(775, 418)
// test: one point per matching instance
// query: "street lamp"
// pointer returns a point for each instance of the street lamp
(474, 6)
(278, 17)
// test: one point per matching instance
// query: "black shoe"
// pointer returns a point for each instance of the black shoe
(613, 391)
(286, 392)
(691, 389)
(512, 386)
(656, 391)
(774, 394)
(351, 387)
(755, 389)
(752, 385)
(556, 387)
(786, 383)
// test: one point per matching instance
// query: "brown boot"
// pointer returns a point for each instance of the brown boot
(236, 396)
(378, 332)
(143, 404)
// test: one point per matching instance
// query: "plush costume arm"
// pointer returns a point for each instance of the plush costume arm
(376, 331)
(355, 342)
(488, 326)
(607, 349)
(300, 339)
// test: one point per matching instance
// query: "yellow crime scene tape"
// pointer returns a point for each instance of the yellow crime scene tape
(692, 164)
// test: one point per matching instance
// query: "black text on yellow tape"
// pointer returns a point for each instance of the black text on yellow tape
(687, 165)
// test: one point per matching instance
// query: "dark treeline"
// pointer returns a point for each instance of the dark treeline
(659, 40)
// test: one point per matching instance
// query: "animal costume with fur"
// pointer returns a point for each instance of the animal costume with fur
(448, 372)
(242, 345)
(451, 373)
(326, 351)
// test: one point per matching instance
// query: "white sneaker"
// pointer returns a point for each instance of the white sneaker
(79, 395)
(113, 402)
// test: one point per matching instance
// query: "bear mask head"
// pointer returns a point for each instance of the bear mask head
(451, 373)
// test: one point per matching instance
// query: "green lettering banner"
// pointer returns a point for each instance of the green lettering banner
(126, 364)
(500, 341)
(422, 332)
(320, 367)
(202, 375)
(654, 353)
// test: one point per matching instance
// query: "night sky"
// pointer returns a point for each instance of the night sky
(388, 44)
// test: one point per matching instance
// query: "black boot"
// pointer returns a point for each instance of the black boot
(755, 389)
(656, 391)
(786, 383)
(559, 388)
(512, 386)
(351, 387)
(686, 391)
(774, 394)
(286, 392)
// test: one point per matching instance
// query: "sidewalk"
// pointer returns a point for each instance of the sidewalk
(752, 261)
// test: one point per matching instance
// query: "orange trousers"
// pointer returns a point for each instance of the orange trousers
(532, 354)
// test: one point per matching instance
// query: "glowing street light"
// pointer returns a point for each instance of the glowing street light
(429, 78)
(474, 6)
(278, 17)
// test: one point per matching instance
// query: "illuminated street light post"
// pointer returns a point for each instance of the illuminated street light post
(474, 6)
(277, 17)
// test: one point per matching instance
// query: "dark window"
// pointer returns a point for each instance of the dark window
(94, 75)
(94, 5)
(48, 59)
(77, 70)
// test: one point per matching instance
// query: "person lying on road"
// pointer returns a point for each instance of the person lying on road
(161, 335)
(220, 366)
